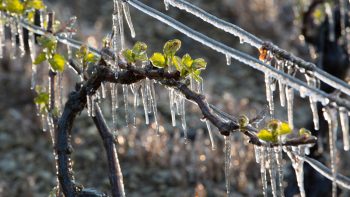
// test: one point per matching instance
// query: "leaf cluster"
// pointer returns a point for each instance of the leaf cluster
(56, 61)
(17, 7)
(42, 99)
(273, 130)
(85, 57)
(168, 59)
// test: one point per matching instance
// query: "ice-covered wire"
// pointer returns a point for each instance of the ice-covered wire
(256, 42)
(238, 55)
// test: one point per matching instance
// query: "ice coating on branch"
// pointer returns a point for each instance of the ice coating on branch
(243, 36)
(227, 140)
(290, 101)
(126, 102)
(228, 59)
(128, 19)
(238, 55)
(344, 121)
(311, 81)
(263, 169)
(210, 132)
(330, 115)
(119, 173)
(269, 94)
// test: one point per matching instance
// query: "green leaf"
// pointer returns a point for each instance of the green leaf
(177, 62)
(91, 58)
(127, 53)
(81, 53)
(48, 43)
(304, 132)
(187, 60)
(158, 60)
(40, 58)
(57, 62)
(284, 129)
(14, 6)
(196, 75)
(266, 135)
(199, 63)
(42, 98)
(35, 4)
(139, 48)
(171, 47)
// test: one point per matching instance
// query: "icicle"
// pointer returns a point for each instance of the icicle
(344, 121)
(311, 81)
(88, 104)
(281, 86)
(330, 18)
(14, 32)
(166, 3)
(282, 92)
(128, 18)
(191, 83)
(272, 170)
(92, 105)
(113, 103)
(121, 24)
(279, 160)
(210, 132)
(21, 40)
(269, 94)
(32, 49)
(183, 119)
(126, 103)
(44, 122)
(60, 88)
(227, 163)
(116, 42)
(330, 115)
(172, 106)
(135, 89)
(257, 153)
(228, 59)
(154, 105)
(144, 101)
(263, 170)
(290, 101)
(2, 36)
